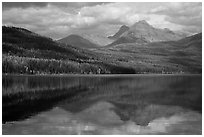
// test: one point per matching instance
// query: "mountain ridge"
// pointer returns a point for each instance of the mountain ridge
(146, 32)
(77, 41)
(121, 30)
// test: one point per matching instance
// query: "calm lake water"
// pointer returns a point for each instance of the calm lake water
(127, 104)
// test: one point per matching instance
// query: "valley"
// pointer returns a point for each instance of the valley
(137, 49)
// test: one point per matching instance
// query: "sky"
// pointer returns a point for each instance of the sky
(60, 19)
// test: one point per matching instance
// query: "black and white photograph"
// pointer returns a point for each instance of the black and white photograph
(101, 68)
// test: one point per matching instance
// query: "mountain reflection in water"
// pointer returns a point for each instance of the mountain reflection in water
(103, 105)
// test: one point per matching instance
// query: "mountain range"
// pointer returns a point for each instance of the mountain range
(140, 32)
(140, 48)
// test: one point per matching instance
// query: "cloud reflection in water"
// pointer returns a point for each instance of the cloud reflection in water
(101, 118)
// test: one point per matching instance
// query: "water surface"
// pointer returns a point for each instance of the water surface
(127, 104)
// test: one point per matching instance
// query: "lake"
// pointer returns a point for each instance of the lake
(105, 104)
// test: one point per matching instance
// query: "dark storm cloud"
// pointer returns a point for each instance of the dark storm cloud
(8, 5)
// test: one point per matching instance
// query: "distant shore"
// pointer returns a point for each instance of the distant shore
(101, 75)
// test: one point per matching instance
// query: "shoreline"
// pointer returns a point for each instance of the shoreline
(103, 75)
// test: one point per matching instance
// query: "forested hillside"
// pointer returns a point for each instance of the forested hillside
(30, 53)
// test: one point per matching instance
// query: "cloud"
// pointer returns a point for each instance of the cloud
(189, 15)
(9, 5)
(58, 20)
(77, 4)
